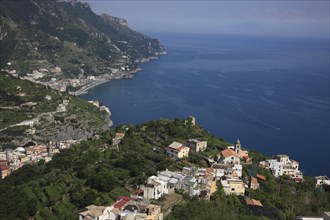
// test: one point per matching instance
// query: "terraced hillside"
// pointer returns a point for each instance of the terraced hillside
(30, 111)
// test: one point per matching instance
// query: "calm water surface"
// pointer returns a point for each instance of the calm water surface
(272, 94)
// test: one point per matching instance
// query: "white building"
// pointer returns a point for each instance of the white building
(173, 179)
(94, 212)
(125, 208)
(221, 170)
(228, 156)
(233, 186)
(322, 180)
(282, 165)
(155, 188)
(238, 169)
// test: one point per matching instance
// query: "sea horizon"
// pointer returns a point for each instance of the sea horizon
(271, 93)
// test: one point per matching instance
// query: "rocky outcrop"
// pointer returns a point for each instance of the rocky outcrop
(108, 19)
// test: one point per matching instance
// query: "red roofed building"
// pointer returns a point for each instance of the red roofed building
(120, 135)
(228, 156)
(123, 200)
(261, 177)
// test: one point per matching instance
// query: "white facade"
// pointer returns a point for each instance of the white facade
(96, 213)
(228, 156)
(233, 186)
(238, 169)
(282, 165)
(155, 188)
(322, 180)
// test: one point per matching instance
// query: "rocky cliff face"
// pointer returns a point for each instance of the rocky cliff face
(108, 19)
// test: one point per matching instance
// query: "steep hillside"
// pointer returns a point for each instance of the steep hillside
(30, 111)
(65, 44)
(92, 172)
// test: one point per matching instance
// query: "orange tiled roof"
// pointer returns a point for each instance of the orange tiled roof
(123, 200)
(259, 176)
(253, 202)
(228, 153)
(244, 154)
(256, 202)
(254, 180)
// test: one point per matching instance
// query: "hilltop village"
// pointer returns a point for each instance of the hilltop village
(226, 169)
(222, 170)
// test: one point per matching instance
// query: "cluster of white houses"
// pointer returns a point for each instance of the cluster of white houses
(283, 165)
(229, 169)
(201, 182)
(192, 181)
(126, 208)
(11, 160)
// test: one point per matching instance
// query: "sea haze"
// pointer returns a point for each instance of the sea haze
(271, 93)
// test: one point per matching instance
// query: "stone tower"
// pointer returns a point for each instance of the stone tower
(237, 146)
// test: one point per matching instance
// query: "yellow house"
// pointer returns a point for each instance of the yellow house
(233, 186)
(177, 150)
(213, 187)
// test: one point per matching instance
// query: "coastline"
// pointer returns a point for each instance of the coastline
(84, 89)
(122, 75)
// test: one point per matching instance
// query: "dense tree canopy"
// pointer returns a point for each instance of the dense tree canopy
(93, 173)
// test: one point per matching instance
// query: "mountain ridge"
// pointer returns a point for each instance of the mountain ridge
(67, 46)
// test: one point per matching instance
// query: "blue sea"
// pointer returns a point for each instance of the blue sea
(271, 93)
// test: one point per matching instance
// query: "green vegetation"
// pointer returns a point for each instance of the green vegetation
(94, 173)
(23, 100)
(282, 200)
(44, 34)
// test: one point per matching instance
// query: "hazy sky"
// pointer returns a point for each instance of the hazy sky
(263, 17)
